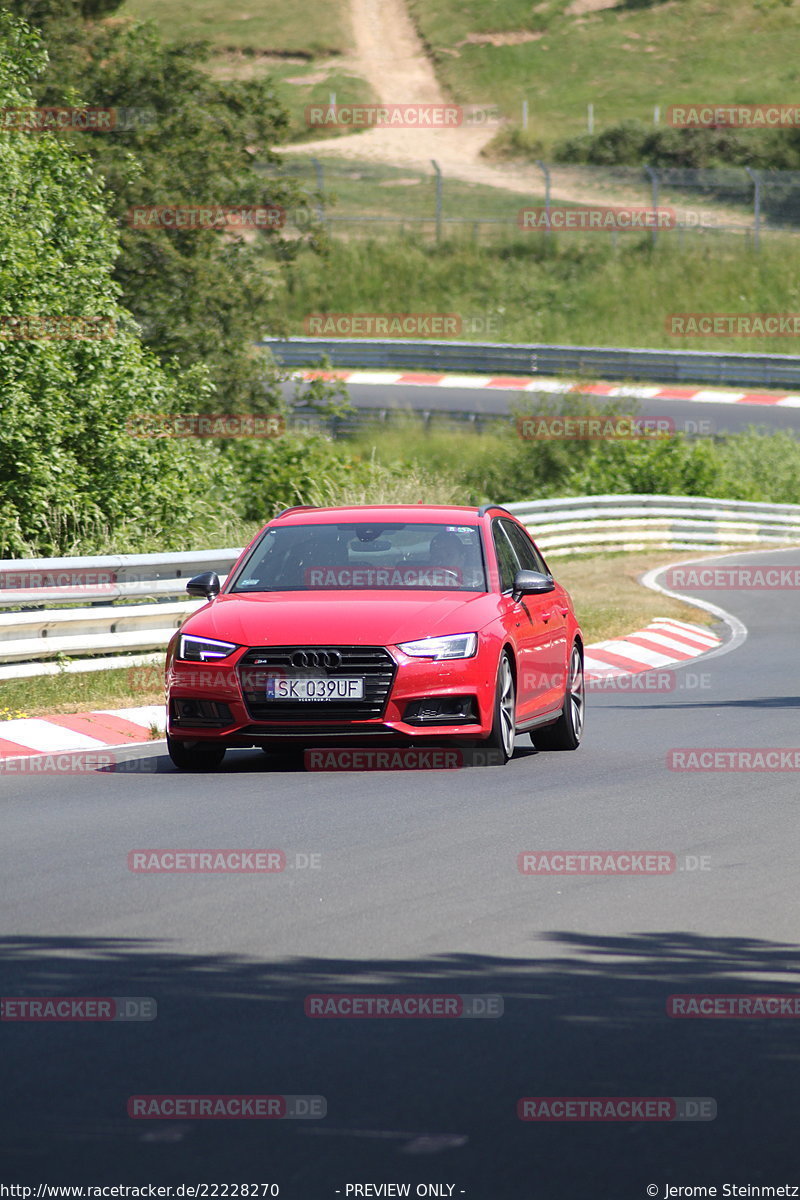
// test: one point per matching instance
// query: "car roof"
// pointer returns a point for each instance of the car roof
(447, 514)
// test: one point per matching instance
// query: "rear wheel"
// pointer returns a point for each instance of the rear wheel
(195, 756)
(566, 733)
(504, 724)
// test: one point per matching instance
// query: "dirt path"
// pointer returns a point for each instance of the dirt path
(389, 54)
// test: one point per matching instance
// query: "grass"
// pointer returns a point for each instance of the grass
(306, 29)
(609, 600)
(298, 86)
(129, 687)
(623, 60)
(574, 290)
(357, 191)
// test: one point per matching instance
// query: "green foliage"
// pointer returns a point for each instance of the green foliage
(294, 469)
(631, 143)
(564, 290)
(304, 28)
(66, 400)
(45, 12)
(498, 465)
(202, 295)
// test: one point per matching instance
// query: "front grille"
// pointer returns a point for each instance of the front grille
(373, 662)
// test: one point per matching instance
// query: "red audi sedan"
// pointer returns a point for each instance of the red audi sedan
(392, 624)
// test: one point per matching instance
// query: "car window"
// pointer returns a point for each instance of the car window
(507, 559)
(529, 557)
(360, 556)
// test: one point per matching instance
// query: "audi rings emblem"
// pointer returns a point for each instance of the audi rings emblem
(301, 659)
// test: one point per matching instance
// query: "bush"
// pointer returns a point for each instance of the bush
(633, 143)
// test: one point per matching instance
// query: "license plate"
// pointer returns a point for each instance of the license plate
(343, 687)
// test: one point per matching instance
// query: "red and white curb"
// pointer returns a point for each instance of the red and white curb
(84, 731)
(528, 383)
(663, 643)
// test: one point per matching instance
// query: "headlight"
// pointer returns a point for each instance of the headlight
(456, 645)
(199, 649)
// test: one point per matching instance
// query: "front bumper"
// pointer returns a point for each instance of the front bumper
(422, 699)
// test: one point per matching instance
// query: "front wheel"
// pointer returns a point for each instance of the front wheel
(504, 724)
(566, 733)
(195, 756)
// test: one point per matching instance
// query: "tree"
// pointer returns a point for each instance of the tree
(202, 295)
(73, 371)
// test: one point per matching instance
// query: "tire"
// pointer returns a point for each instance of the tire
(501, 739)
(567, 731)
(195, 756)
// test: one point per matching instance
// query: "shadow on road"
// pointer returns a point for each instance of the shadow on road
(408, 1100)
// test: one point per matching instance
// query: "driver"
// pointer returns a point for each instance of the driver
(448, 551)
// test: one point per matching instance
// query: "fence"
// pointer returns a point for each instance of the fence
(362, 198)
(87, 636)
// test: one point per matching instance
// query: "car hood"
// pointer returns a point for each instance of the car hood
(340, 618)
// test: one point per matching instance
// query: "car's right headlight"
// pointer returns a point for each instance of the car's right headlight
(200, 649)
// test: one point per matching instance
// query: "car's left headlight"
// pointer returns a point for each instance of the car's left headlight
(200, 649)
(455, 645)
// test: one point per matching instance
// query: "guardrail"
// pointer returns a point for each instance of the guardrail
(97, 636)
(113, 577)
(588, 524)
(661, 366)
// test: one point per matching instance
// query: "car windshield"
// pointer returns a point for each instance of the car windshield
(375, 557)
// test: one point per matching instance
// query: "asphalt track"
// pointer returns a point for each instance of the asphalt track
(417, 891)
(692, 417)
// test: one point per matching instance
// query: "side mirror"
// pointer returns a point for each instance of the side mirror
(206, 585)
(532, 583)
